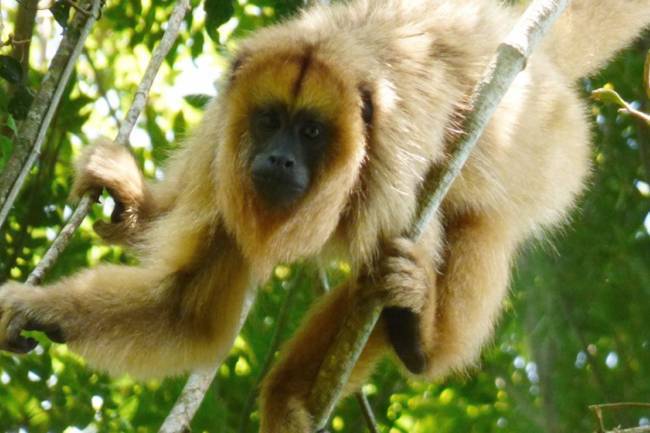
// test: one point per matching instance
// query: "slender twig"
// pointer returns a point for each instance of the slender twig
(609, 95)
(85, 204)
(620, 405)
(181, 415)
(281, 324)
(99, 82)
(597, 409)
(23, 30)
(33, 129)
(509, 60)
(366, 409)
(361, 397)
(644, 429)
(61, 241)
(140, 98)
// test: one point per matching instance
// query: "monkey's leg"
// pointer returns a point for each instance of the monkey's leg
(286, 388)
(145, 321)
(471, 288)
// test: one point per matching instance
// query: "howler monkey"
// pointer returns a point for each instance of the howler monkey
(317, 145)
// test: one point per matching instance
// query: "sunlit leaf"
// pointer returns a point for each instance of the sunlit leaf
(217, 12)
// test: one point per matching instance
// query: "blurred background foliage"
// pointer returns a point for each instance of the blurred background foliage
(576, 329)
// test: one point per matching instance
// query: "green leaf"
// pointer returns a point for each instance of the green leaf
(6, 148)
(217, 12)
(20, 102)
(61, 12)
(608, 96)
(11, 123)
(198, 100)
(197, 44)
(10, 69)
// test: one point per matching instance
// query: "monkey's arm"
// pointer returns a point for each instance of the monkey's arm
(155, 319)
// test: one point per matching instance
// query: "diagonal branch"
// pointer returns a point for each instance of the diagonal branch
(509, 60)
(31, 133)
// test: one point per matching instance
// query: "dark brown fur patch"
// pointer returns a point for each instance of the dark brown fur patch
(304, 67)
(368, 108)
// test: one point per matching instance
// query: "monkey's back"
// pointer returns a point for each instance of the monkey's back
(421, 60)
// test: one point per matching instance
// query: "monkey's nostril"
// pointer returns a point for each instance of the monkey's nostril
(273, 159)
(288, 164)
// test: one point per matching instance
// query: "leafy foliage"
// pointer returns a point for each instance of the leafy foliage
(575, 331)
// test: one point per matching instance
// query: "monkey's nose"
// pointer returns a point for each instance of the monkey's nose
(283, 162)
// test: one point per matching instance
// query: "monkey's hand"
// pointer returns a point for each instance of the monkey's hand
(108, 165)
(17, 315)
(403, 279)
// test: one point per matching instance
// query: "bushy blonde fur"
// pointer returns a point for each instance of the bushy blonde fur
(206, 238)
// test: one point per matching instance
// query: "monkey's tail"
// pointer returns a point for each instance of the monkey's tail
(590, 32)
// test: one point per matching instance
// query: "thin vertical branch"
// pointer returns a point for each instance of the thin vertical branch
(23, 30)
(366, 409)
(99, 82)
(85, 204)
(281, 324)
(509, 60)
(32, 130)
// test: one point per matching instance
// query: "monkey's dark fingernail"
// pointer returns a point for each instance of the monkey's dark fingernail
(22, 345)
(53, 332)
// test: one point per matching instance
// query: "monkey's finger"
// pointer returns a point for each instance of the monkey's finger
(403, 327)
(15, 342)
(53, 331)
(118, 211)
(20, 345)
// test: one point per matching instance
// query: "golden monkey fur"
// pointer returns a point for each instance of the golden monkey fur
(205, 238)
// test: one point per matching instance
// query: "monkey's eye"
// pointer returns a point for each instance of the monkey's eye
(312, 131)
(268, 120)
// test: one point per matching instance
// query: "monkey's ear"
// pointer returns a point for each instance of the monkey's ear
(236, 65)
(367, 107)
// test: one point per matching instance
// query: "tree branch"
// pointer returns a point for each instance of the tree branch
(282, 320)
(509, 60)
(23, 30)
(199, 382)
(32, 130)
(366, 409)
(85, 204)
(597, 409)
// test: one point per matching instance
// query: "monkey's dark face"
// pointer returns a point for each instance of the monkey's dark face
(291, 151)
(287, 150)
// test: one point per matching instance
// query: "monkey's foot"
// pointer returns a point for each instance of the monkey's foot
(402, 281)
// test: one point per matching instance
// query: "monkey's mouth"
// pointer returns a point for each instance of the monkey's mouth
(277, 190)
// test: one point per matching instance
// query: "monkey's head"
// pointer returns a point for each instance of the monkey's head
(293, 145)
